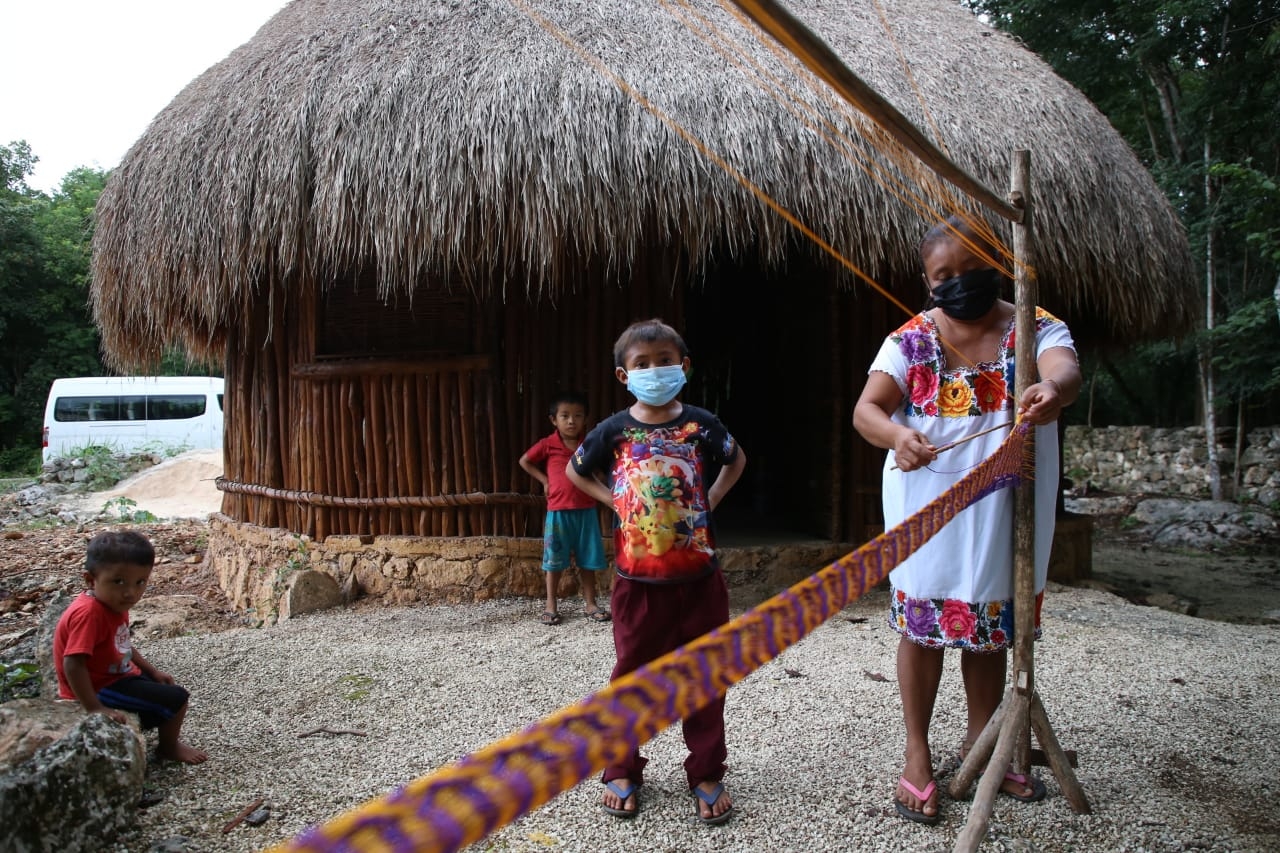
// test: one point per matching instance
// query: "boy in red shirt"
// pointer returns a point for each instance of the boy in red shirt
(94, 656)
(658, 456)
(572, 530)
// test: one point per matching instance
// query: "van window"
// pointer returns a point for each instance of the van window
(133, 408)
(99, 408)
(174, 407)
(156, 407)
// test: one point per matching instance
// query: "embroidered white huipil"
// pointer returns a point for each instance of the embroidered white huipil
(971, 558)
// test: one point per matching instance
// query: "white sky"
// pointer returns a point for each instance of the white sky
(80, 80)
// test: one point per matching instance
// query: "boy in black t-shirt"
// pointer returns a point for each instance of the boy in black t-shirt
(669, 589)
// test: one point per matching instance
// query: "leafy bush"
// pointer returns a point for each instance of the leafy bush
(19, 680)
(126, 509)
(19, 462)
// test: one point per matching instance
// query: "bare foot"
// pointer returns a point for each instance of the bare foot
(185, 754)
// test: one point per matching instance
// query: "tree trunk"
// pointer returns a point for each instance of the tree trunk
(1167, 94)
(1206, 349)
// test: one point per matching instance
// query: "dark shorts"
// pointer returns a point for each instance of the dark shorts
(572, 534)
(153, 702)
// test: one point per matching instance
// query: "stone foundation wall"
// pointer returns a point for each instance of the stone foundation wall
(1151, 460)
(254, 564)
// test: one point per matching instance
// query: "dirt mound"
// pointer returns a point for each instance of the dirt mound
(181, 487)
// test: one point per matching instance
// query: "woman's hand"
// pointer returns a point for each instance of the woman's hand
(1041, 403)
(912, 450)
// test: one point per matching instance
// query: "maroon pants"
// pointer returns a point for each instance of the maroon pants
(650, 620)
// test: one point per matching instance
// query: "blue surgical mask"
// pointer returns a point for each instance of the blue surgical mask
(656, 386)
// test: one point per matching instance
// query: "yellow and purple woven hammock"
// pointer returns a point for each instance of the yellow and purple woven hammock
(466, 801)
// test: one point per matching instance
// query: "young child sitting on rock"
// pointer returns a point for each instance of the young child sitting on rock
(94, 656)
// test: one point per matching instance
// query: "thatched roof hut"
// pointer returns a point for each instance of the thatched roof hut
(399, 225)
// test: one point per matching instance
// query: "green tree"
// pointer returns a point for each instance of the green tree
(1192, 86)
(46, 329)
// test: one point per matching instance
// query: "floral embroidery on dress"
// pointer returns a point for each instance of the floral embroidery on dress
(951, 623)
(960, 392)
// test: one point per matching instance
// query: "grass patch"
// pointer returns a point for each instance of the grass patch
(9, 485)
(355, 688)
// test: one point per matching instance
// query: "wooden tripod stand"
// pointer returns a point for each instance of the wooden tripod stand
(1007, 736)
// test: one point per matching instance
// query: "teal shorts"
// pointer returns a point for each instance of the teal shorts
(572, 534)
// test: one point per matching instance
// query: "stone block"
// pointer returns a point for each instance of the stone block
(309, 591)
(398, 568)
(368, 573)
(68, 780)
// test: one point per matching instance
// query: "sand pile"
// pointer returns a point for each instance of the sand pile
(181, 487)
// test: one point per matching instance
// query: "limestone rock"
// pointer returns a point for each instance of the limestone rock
(162, 615)
(68, 780)
(309, 591)
(44, 644)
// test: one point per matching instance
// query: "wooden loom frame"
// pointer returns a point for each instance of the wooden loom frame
(1007, 737)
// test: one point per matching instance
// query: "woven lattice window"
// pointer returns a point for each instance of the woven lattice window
(355, 323)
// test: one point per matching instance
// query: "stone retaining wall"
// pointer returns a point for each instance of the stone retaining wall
(254, 564)
(1151, 460)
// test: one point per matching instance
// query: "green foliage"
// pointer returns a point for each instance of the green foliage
(1192, 86)
(1244, 351)
(20, 461)
(298, 561)
(1152, 383)
(105, 467)
(46, 330)
(9, 485)
(126, 510)
(19, 680)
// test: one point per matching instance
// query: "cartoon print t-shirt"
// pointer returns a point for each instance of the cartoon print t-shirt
(657, 473)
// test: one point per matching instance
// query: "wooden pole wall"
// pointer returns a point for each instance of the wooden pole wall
(384, 428)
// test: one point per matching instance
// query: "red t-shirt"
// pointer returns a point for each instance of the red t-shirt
(561, 493)
(89, 627)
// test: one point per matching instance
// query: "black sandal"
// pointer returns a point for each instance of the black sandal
(550, 617)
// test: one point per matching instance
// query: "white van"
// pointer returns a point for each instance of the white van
(133, 413)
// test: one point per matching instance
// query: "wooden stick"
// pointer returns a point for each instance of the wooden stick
(944, 448)
(984, 800)
(1060, 762)
(823, 61)
(244, 813)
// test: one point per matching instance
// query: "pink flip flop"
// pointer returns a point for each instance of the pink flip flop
(1038, 790)
(922, 796)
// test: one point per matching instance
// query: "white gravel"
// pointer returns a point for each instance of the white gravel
(1175, 720)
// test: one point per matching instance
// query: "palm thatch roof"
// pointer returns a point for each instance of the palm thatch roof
(463, 143)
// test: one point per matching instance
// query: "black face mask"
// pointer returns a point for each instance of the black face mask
(969, 295)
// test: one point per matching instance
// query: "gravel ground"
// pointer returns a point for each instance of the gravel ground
(1174, 718)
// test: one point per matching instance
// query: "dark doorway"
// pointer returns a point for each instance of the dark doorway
(766, 361)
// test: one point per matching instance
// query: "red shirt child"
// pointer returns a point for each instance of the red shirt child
(571, 533)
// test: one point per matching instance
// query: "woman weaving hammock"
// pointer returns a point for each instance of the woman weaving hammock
(943, 377)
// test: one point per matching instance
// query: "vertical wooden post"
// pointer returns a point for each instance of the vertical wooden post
(1020, 706)
(1024, 501)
